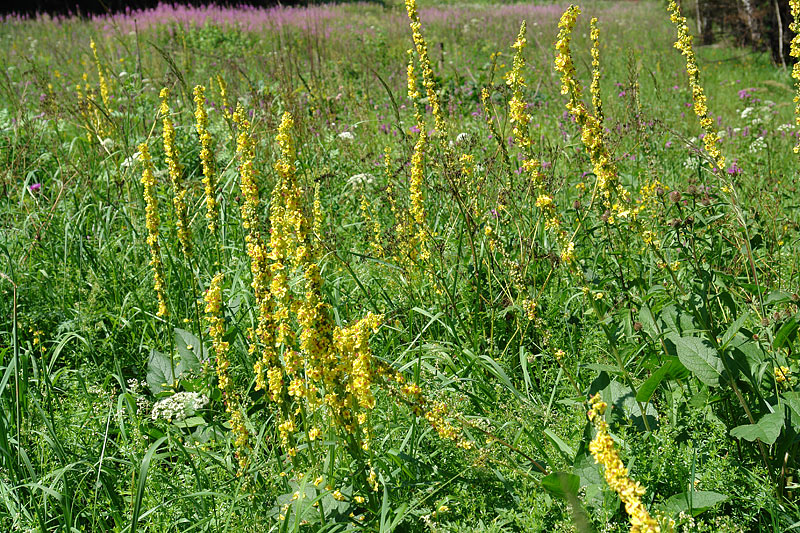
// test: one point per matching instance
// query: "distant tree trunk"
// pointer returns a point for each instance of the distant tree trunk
(750, 21)
(780, 33)
(705, 28)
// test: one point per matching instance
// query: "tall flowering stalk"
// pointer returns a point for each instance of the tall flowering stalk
(417, 246)
(373, 227)
(616, 475)
(105, 92)
(613, 195)
(425, 66)
(684, 45)
(216, 330)
(206, 159)
(519, 118)
(287, 240)
(267, 366)
(594, 88)
(223, 97)
(152, 222)
(176, 176)
(794, 51)
(515, 79)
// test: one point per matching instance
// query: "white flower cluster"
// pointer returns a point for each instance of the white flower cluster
(358, 181)
(759, 114)
(758, 144)
(178, 406)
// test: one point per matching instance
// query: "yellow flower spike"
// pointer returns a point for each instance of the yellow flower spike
(794, 51)
(425, 66)
(206, 158)
(152, 222)
(373, 227)
(176, 176)
(319, 214)
(594, 88)
(223, 97)
(216, 330)
(520, 118)
(515, 79)
(684, 45)
(105, 92)
(616, 475)
(419, 229)
(607, 185)
(268, 374)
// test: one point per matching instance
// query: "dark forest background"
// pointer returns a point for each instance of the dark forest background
(88, 7)
(761, 25)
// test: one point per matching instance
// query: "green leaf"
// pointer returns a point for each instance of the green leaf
(159, 372)
(191, 352)
(696, 501)
(700, 357)
(778, 297)
(766, 430)
(646, 319)
(191, 422)
(567, 452)
(734, 328)
(671, 369)
(787, 332)
(561, 484)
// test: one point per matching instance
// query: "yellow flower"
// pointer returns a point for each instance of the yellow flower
(206, 158)
(684, 45)
(597, 102)
(425, 66)
(794, 51)
(105, 92)
(616, 475)
(783, 375)
(152, 222)
(176, 176)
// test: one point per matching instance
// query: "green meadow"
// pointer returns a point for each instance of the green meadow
(385, 267)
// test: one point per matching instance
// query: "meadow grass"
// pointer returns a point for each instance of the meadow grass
(370, 266)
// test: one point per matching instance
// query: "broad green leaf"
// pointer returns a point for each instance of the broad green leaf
(159, 372)
(787, 332)
(697, 501)
(699, 357)
(766, 430)
(671, 369)
(191, 351)
(734, 328)
(561, 484)
(776, 297)
(646, 319)
(567, 452)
